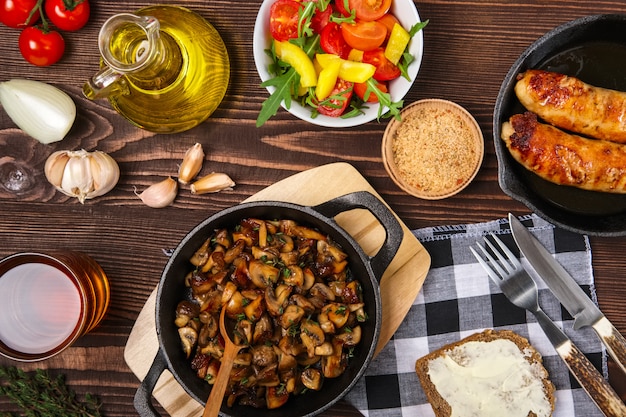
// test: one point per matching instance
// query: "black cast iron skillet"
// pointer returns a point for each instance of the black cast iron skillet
(367, 269)
(592, 49)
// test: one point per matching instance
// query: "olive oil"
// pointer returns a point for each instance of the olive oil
(180, 84)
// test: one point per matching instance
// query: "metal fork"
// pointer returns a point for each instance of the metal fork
(515, 283)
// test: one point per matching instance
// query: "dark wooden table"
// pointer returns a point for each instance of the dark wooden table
(469, 47)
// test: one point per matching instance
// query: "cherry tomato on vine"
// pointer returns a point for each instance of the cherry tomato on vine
(284, 19)
(338, 101)
(385, 69)
(14, 13)
(39, 47)
(69, 15)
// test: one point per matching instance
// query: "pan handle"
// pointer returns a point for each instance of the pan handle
(368, 201)
(143, 396)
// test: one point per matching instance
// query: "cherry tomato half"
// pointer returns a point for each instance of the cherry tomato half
(41, 48)
(284, 19)
(385, 69)
(361, 88)
(68, 15)
(334, 107)
(14, 13)
(364, 36)
(388, 20)
(320, 19)
(332, 41)
(369, 10)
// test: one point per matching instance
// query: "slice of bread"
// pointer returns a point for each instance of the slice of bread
(492, 373)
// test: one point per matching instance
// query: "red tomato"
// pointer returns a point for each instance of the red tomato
(385, 69)
(388, 20)
(369, 10)
(41, 48)
(340, 5)
(360, 88)
(364, 36)
(332, 42)
(284, 20)
(68, 15)
(320, 19)
(334, 107)
(14, 13)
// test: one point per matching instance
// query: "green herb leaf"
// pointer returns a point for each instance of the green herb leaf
(38, 394)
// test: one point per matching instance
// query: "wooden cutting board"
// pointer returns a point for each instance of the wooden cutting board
(399, 285)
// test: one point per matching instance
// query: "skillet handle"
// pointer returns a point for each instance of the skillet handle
(143, 396)
(368, 201)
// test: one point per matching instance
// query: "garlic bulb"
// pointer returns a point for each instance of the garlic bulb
(82, 174)
(161, 194)
(39, 109)
(191, 165)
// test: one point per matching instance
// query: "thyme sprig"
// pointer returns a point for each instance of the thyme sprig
(38, 394)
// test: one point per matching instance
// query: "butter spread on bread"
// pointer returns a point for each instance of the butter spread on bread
(493, 373)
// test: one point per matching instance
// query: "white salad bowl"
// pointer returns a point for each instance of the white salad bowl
(407, 15)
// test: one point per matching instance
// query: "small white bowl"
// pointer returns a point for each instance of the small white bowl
(407, 15)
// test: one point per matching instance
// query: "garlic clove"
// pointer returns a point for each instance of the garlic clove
(161, 194)
(212, 183)
(105, 173)
(55, 166)
(82, 174)
(191, 165)
(41, 110)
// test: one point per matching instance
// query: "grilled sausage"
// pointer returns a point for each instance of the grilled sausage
(563, 158)
(571, 104)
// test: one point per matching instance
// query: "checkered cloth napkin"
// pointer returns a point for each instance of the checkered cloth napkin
(458, 299)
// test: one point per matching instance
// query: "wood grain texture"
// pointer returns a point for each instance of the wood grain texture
(469, 47)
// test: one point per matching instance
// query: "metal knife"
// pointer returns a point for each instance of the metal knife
(568, 292)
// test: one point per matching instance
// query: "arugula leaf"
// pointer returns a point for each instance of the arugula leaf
(384, 99)
(284, 86)
(407, 57)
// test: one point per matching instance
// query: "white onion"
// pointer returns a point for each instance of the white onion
(39, 109)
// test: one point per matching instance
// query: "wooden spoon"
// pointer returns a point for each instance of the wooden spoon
(214, 403)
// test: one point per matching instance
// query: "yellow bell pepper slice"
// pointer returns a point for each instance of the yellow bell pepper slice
(355, 55)
(398, 40)
(356, 72)
(299, 60)
(327, 79)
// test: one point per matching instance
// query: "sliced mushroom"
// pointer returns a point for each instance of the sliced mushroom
(302, 302)
(337, 313)
(289, 345)
(276, 300)
(263, 355)
(350, 337)
(309, 279)
(263, 275)
(263, 330)
(264, 254)
(335, 364)
(276, 397)
(325, 323)
(311, 335)
(268, 376)
(286, 362)
(243, 332)
(229, 289)
(188, 338)
(312, 379)
(208, 332)
(325, 349)
(291, 316)
(201, 256)
(254, 309)
(222, 238)
(234, 251)
(235, 305)
(285, 244)
(293, 276)
(319, 289)
(185, 311)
